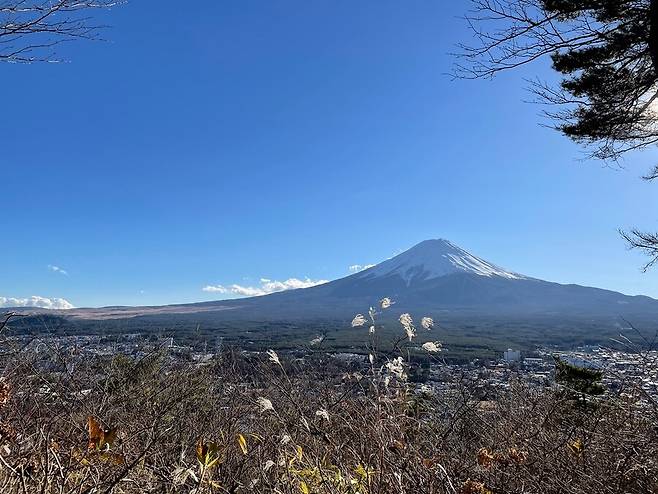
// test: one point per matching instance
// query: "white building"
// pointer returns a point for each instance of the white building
(512, 355)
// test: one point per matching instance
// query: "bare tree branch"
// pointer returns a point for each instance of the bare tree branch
(645, 242)
(606, 52)
(7, 318)
(30, 30)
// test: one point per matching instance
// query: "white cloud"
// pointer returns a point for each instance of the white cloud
(57, 269)
(266, 286)
(215, 289)
(355, 268)
(36, 301)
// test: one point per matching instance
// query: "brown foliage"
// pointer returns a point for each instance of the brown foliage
(190, 428)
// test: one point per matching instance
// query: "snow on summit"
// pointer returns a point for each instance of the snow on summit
(433, 259)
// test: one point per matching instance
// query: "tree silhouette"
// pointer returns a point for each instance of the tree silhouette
(582, 380)
(606, 52)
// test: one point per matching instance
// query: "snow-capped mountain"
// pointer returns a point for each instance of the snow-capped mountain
(435, 277)
(438, 276)
(476, 302)
(433, 259)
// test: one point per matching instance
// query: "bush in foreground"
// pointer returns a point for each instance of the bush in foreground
(259, 424)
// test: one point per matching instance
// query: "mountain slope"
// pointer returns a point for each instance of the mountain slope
(436, 274)
(433, 276)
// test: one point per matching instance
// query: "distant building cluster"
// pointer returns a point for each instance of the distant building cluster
(624, 373)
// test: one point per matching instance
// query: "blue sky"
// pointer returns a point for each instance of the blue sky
(235, 141)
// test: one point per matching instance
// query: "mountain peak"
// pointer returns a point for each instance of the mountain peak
(435, 258)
